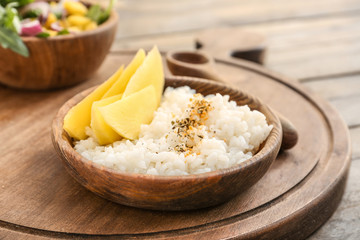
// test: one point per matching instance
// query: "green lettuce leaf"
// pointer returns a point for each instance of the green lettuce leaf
(20, 2)
(43, 35)
(11, 40)
(98, 15)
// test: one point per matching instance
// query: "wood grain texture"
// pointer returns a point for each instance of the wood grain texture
(355, 142)
(344, 224)
(333, 88)
(341, 92)
(311, 26)
(344, 95)
(53, 205)
(291, 44)
(159, 17)
(347, 110)
(59, 61)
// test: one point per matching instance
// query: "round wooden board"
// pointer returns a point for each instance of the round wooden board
(303, 187)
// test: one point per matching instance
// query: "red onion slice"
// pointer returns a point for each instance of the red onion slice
(30, 28)
(56, 27)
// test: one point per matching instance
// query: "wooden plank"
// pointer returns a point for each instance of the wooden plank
(355, 143)
(302, 63)
(344, 224)
(183, 41)
(280, 34)
(349, 109)
(140, 18)
(341, 92)
(337, 87)
(292, 45)
(298, 31)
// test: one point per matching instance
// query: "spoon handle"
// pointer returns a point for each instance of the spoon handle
(200, 64)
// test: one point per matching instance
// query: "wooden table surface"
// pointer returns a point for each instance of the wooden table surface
(314, 42)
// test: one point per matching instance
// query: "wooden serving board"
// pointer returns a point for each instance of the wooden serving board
(40, 200)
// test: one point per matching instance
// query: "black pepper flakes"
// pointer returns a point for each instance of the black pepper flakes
(185, 128)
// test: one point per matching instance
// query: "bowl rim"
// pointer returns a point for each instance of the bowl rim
(272, 142)
(104, 27)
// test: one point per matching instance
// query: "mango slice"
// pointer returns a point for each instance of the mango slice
(102, 131)
(126, 115)
(78, 21)
(119, 86)
(90, 26)
(50, 20)
(79, 117)
(149, 73)
(76, 8)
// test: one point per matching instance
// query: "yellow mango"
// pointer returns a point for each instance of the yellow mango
(129, 71)
(74, 29)
(104, 133)
(90, 26)
(64, 23)
(126, 115)
(50, 20)
(73, 7)
(79, 117)
(78, 21)
(50, 32)
(149, 73)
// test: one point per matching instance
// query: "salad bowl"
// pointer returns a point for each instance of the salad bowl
(59, 61)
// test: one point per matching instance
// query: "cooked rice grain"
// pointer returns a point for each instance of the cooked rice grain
(189, 134)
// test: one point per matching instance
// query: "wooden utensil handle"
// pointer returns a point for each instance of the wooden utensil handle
(199, 64)
(192, 64)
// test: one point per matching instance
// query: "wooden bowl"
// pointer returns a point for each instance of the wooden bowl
(59, 61)
(171, 192)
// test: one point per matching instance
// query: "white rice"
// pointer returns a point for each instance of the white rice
(230, 135)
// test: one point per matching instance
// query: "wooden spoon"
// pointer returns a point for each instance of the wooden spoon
(199, 64)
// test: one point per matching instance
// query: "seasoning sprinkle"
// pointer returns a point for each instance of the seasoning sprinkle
(185, 128)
